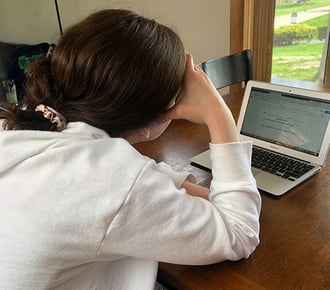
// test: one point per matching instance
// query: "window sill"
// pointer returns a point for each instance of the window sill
(300, 84)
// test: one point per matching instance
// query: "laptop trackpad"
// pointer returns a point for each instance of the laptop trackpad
(271, 183)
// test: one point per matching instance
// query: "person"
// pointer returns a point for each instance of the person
(80, 208)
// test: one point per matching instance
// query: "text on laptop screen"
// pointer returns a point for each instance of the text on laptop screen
(293, 121)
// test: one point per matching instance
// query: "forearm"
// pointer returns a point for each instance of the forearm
(221, 124)
(196, 189)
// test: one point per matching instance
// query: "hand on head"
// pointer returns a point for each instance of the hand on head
(197, 95)
(200, 102)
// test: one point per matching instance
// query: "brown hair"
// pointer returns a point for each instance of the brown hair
(114, 70)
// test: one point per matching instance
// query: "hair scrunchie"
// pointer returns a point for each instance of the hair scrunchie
(53, 116)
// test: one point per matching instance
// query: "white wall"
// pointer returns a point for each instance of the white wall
(28, 21)
(202, 25)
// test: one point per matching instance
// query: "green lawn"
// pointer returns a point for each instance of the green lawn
(288, 8)
(319, 21)
(299, 62)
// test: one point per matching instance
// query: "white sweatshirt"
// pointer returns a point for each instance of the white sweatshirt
(81, 210)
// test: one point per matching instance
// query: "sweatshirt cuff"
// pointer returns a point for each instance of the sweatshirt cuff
(231, 162)
(177, 177)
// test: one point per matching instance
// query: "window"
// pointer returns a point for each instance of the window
(257, 32)
(300, 39)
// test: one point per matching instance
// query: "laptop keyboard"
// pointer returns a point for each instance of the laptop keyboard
(277, 164)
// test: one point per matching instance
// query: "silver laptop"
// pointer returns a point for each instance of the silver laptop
(290, 130)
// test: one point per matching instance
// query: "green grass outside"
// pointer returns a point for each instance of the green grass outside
(288, 8)
(297, 62)
(319, 21)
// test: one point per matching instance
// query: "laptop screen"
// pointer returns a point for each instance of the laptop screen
(290, 120)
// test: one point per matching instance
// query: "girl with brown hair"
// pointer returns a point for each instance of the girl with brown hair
(80, 208)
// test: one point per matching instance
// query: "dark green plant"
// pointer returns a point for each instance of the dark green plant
(322, 32)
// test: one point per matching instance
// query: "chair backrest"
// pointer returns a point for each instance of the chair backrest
(230, 69)
(5, 51)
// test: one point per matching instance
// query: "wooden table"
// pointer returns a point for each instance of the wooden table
(294, 252)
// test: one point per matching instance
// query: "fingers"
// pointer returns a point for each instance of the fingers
(190, 65)
(189, 62)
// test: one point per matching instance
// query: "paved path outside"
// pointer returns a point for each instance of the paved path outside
(301, 16)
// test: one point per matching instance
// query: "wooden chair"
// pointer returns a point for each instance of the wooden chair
(230, 69)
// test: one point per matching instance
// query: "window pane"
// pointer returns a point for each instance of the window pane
(301, 30)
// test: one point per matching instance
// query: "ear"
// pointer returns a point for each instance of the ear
(144, 132)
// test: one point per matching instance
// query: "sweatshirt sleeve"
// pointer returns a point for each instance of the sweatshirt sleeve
(159, 221)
